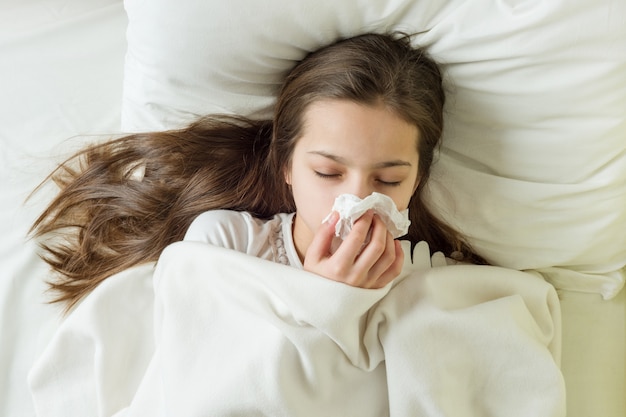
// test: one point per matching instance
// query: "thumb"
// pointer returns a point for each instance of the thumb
(320, 246)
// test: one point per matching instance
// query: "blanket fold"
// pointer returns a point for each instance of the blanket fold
(236, 335)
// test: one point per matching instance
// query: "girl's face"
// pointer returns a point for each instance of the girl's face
(351, 148)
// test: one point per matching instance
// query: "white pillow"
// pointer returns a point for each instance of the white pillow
(533, 164)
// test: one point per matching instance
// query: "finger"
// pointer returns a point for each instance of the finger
(394, 269)
(383, 262)
(378, 254)
(323, 238)
(352, 245)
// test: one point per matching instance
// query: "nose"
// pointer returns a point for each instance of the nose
(360, 187)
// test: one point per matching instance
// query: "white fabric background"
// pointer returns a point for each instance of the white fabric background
(61, 68)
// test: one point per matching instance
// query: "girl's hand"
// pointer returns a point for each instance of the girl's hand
(372, 265)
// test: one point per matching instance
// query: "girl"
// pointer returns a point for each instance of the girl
(361, 115)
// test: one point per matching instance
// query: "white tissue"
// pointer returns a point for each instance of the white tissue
(351, 207)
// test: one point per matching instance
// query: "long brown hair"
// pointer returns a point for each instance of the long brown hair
(123, 201)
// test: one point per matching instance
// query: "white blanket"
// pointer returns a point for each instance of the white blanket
(215, 332)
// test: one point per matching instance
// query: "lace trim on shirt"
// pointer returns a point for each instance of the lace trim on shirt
(278, 246)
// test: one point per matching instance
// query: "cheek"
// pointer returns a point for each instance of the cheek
(403, 197)
(402, 203)
(313, 202)
(316, 202)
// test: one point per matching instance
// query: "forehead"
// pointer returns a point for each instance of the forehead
(344, 126)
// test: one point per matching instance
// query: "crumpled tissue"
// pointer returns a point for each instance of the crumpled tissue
(351, 207)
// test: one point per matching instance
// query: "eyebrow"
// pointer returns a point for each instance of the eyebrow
(341, 160)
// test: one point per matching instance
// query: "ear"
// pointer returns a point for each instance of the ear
(417, 183)
(287, 175)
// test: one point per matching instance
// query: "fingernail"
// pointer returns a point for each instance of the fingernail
(332, 217)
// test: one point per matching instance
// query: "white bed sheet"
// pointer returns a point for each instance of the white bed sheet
(61, 73)
(414, 348)
(61, 70)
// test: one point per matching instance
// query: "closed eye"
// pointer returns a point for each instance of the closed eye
(324, 175)
(390, 183)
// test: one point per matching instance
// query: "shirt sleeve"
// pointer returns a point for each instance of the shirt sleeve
(223, 228)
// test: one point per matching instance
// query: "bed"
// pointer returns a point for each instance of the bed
(532, 169)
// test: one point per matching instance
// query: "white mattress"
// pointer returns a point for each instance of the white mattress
(61, 72)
